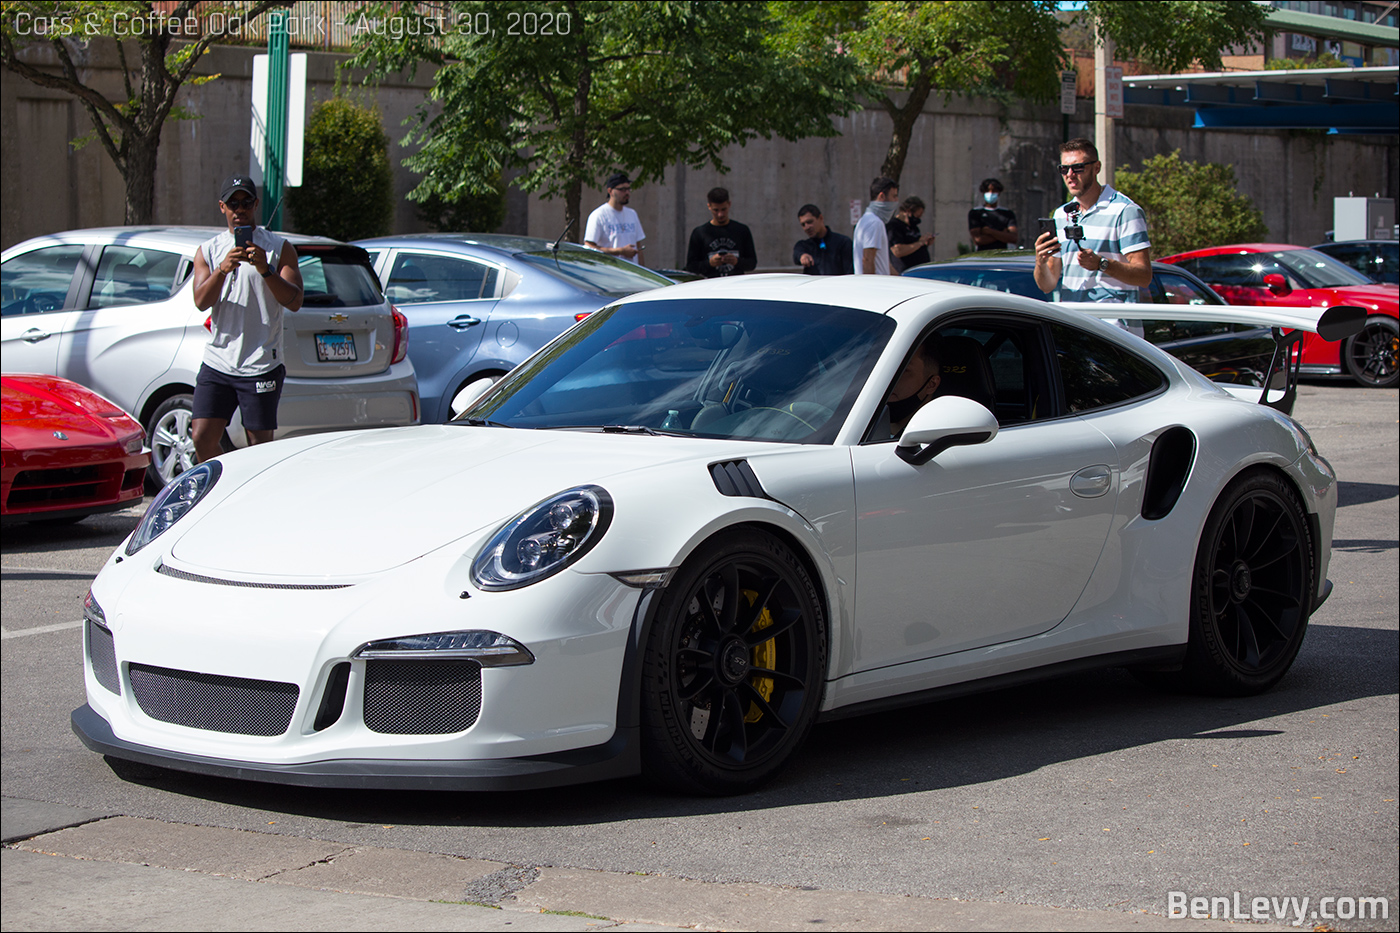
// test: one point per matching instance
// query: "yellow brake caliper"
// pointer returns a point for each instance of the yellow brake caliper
(764, 656)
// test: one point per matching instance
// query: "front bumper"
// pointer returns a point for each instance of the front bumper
(618, 757)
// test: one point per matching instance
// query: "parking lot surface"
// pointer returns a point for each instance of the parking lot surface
(1072, 803)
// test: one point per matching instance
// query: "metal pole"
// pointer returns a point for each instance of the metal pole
(1103, 123)
(275, 172)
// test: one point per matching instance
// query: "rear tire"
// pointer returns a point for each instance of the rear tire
(172, 442)
(1252, 588)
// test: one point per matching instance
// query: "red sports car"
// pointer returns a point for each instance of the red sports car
(1279, 274)
(67, 451)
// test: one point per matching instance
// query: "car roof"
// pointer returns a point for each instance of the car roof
(497, 242)
(186, 239)
(1011, 259)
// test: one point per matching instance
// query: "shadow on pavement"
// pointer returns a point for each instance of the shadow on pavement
(960, 742)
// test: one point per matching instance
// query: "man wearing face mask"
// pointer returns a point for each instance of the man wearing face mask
(871, 250)
(916, 385)
(991, 227)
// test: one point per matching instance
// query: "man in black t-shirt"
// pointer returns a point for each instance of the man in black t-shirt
(722, 246)
(992, 227)
(824, 252)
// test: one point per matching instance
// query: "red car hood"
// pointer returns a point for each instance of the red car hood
(35, 406)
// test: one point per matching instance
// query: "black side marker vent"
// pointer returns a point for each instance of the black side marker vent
(736, 478)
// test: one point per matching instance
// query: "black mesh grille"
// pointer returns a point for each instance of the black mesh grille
(210, 701)
(102, 653)
(422, 697)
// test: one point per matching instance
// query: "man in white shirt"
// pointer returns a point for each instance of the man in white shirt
(614, 228)
(871, 244)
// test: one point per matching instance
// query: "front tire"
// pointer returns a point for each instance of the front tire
(1252, 588)
(734, 668)
(1372, 357)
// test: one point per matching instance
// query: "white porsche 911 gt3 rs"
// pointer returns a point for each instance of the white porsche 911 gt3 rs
(684, 531)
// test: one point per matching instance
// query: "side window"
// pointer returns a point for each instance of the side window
(37, 281)
(1179, 290)
(419, 277)
(130, 275)
(1237, 269)
(1100, 374)
(992, 363)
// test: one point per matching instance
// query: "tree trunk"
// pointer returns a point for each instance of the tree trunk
(140, 178)
(904, 119)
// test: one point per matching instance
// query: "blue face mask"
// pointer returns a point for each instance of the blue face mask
(990, 197)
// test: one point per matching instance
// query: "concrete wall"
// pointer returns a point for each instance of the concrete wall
(1292, 176)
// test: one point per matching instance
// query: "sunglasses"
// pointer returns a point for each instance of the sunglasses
(1075, 169)
(240, 204)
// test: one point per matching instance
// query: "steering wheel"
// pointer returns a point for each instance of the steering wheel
(39, 302)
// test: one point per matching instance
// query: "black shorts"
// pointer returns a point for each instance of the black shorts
(219, 395)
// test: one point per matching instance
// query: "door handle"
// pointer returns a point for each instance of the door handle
(462, 322)
(34, 335)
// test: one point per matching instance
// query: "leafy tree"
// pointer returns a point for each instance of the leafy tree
(569, 93)
(1191, 205)
(347, 189)
(129, 130)
(906, 50)
(468, 213)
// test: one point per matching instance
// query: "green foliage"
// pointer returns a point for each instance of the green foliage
(595, 87)
(1176, 33)
(1325, 60)
(467, 213)
(347, 189)
(1191, 205)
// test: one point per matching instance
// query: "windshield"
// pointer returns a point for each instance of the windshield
(596, 272)
(1318, 270)
(756, 370)
(1012, 281)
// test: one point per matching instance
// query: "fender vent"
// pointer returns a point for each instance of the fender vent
(1167, 468)
(736, 478)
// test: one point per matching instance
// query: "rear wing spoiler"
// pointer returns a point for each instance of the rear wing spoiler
(1288, 325)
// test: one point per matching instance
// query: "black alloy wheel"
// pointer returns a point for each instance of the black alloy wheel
(1372, 357)
(735, 666)
(1252, 590)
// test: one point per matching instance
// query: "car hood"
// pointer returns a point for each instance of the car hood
(38, 408)
(366, 502)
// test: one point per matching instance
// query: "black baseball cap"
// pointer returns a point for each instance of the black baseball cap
(236, 183)
(617, 180)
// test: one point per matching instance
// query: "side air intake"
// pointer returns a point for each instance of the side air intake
(736, 478)
(1167, 469)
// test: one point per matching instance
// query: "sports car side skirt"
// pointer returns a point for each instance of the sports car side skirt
(1164, 658)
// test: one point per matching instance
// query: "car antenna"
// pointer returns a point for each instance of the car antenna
(554, 247)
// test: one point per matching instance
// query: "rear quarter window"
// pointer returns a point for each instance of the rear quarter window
(1098, 374)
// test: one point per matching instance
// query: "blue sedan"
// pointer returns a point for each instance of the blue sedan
(478, 304)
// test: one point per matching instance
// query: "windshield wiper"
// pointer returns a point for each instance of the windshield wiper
(631, 429)
(479, 422)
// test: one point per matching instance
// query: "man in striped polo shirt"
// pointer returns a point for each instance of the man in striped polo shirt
(1112, 258)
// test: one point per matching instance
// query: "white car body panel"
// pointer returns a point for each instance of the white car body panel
(286, 568)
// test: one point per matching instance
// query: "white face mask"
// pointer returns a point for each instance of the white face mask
(883, 209)
(990, 197)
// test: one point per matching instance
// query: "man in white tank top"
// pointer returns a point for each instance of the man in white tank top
(245, 277)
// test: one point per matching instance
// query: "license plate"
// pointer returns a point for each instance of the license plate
(336, 348)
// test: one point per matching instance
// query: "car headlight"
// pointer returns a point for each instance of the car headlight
(544, 539)
(173, 503)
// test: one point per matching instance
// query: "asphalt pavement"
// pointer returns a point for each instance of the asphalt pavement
(1080, 803)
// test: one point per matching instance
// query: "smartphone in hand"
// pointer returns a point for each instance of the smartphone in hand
(243, 236)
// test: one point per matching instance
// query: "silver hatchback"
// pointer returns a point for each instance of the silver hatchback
(112, 309)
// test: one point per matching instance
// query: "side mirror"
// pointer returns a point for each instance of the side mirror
(950, 421)
(1277, 284)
